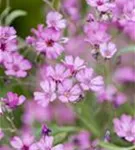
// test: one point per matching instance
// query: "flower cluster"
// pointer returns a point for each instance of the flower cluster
(79, 98)
(124, 16)
(28, 142)
(99, 39)
(125, 127)
(48, 40)
(14, 63)
(67, 82)
(12, 100)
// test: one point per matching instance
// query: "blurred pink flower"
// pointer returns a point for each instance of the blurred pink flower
(54, 19)
(120, 76)
(125, 127)
(72, 8)
(48, 94)
(1, 134)
(18, 67)
(63, 114)
(96, 33)
(111, 94)
(67, 92)
(36, 113)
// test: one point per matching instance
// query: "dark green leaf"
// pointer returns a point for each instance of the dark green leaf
(13, 15)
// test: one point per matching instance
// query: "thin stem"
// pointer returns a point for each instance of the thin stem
(49, 4)
(10, 120)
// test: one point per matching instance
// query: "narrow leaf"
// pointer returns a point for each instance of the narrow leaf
(13, 15)
(114, 147)
(4, 13)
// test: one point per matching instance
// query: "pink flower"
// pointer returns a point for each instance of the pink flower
(67, 92)
(125, 127)
(119, 74)
(47, 144)
(18, 66)
(46, 41)
(96, 33)
(111, 94)
(72, 8)
(36, 113)
(101, 5)
(48, 94)
(24, 143)
(54, 19)
(58, 73)
(12, 100)
(107, 50)
(82, 140)
(74, 65)
(8, 42)
(88, 82)
(1, 134)
(49, 43)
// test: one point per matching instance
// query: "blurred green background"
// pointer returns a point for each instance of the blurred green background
(35, 14)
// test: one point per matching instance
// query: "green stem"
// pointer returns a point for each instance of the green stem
(49, 4)
(87, 124)
(10, 120)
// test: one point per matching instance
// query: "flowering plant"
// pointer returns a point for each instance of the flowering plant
(69, 84)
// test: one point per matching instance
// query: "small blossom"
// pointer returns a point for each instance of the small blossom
(54, 19)
(1, 134)
(74, 65)
(88, 82)
(125, 127)
(47, 95)
(57, 73)
(8, 42)
(18, 67)
(111, 94)
(46, 41)
(47, 144)
(67, 92)
(24, 143)
(12, 100)
(45, 130)
(107, 50)
(119, 74)
(101, 5)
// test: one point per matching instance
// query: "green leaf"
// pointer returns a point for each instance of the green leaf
(114, 147)
(59, 138)
(4, 13)
(127, 50)
(67, 129)
(56, 4)
(13, 15)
